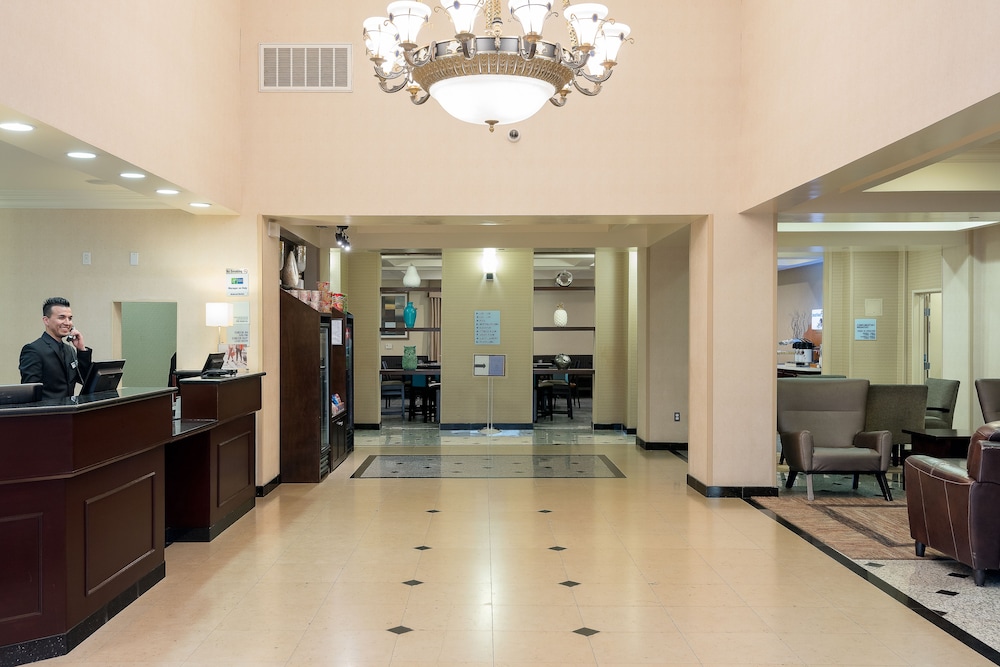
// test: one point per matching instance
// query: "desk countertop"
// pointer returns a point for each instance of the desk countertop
(83, 403)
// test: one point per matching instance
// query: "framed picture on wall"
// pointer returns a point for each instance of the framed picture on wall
(392, 316)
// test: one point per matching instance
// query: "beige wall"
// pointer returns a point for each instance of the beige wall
(327, 153)
(830, 81)
(156, 83)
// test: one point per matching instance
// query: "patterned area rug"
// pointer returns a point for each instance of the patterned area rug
(859, 528)
(487, 465)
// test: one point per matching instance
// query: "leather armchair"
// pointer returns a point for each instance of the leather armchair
(954, 510)
(821, 426)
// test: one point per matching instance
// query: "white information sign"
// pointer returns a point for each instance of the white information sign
(487, 326)
(491, 365)
(865, 329)
(237, 282)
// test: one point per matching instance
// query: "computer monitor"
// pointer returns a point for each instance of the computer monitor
(103, 376)
(214, 362)
(13, 394)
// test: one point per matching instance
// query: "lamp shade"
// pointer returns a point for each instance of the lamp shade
(489, 260)
(218, 314)
(408, 17)
(586, 20)
(463, 13)
(411, 278)
(531, 14)
(381, 39)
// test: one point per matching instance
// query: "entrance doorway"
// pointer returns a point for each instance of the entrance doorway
(927, 348)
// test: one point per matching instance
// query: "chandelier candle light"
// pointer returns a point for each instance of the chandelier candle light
(493, 78)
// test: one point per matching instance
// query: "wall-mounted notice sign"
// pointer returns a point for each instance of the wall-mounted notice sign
(492, 365)
(864, 329)
(487, 325)
(237, 282)
(817, 319)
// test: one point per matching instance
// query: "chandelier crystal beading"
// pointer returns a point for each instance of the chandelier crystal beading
(492, 78)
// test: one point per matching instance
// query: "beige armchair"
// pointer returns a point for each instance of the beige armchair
(942, 396)
(896, 408)
(821, 426)
(988, 390)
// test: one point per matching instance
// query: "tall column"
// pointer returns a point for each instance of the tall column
(663, 338)
(611, 323)
(733, 277)
(465, 290)
(364, 277)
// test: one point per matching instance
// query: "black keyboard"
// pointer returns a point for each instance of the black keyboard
(218, 373)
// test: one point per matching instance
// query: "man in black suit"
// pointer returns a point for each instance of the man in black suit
(58, 359)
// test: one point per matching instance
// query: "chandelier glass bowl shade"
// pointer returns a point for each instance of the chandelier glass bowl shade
(493, 78)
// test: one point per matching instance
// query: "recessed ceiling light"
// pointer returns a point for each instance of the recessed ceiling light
(167, 191)
(16, 127)
(81, 155)
(132, 174)
(200, 204)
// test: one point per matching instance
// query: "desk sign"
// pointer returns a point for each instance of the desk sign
(865, 329)
(237, 282)
(491, 365)
(487, 325)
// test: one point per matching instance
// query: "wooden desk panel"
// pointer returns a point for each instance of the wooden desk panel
(84, 535)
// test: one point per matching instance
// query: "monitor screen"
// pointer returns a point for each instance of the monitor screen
(13, 394)
(214, 361)
(103, 376)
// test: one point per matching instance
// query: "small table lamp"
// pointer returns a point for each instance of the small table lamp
(219, 315)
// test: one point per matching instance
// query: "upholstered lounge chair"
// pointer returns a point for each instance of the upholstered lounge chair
(955, 511)
(942, 395)
(821, 426)
(893, 408)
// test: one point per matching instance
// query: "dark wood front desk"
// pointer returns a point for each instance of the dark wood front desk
(81, 515)
(212, 459)
(91, 486)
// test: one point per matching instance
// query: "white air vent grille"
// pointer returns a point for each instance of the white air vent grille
(305, 67)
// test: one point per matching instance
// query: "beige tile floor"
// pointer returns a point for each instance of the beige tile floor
(314, 576)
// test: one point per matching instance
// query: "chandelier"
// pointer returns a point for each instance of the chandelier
(493, 78)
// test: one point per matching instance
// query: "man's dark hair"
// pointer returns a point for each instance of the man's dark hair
(53, 301)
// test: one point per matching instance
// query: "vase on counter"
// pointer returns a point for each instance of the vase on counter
(409, 315)
(290, 272)
(409, 357)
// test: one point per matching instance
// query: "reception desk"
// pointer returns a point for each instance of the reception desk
(92, 487)
(82, 488)
(212, 458)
